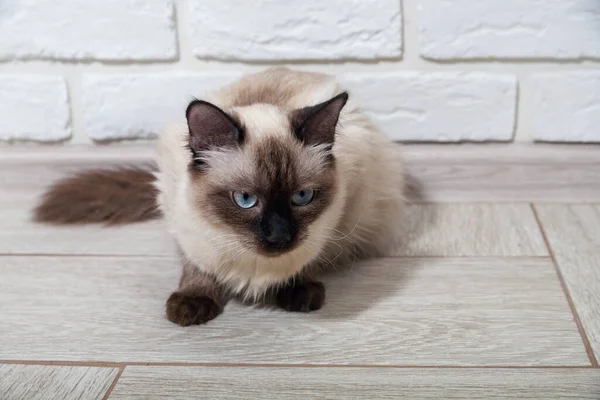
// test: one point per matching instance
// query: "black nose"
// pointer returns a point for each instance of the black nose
(279, 237)
(276, 231)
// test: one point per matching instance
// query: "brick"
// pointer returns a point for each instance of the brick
(467, 29)
(87, 30)
(566, 106)
(34, 108)
(308, 29)
(445, 107)
(129, 106)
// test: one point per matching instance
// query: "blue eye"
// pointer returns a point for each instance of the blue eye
(245, 200)
(303, 197)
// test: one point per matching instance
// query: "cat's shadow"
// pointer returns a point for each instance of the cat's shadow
(377, 283)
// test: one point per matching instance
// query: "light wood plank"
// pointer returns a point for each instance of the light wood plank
(20, 190)
(574, 235)
(46, 154)
(18, 235)
(48, 382)
(436, 230)
(431, 230)
(439, 172)
(355, 383)
(471, 230)
(503, 172)
(148, 238)
(417, 311)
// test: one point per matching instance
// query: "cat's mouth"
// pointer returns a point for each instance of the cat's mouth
(275, 249)
(271, 248)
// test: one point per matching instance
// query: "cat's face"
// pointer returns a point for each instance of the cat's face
(268, 195)
(264, 175)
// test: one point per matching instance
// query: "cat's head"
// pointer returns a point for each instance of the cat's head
(265, 176)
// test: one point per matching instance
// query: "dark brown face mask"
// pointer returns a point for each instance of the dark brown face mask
(274, 210)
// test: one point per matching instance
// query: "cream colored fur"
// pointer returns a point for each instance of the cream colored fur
(360, 222)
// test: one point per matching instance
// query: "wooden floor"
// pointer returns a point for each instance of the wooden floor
(494, 294)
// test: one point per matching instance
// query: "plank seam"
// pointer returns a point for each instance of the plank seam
(586, 342)
(122, 365)
(114, 382)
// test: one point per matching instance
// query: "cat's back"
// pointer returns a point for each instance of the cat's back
(280, 86)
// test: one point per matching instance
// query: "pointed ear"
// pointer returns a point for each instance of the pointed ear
(316, 124)
(210, 127)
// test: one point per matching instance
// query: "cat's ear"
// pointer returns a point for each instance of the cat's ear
(210, 127)
(316, 124)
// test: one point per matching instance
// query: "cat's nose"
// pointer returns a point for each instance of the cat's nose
(279, 237)
(276, 231)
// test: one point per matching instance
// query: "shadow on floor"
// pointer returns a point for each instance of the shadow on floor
(356, 288)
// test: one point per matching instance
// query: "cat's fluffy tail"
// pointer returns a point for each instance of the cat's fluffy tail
(110, 196)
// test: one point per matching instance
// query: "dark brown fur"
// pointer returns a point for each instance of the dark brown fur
(196, 303)
(278, 173)
(191, 309)
(275, 180)
(301, 297)
(199, 298)
(110, 196)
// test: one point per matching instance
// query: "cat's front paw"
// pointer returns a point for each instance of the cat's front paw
(302, 297)
(187, 310)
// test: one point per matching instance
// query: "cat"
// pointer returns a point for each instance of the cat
(267, 181)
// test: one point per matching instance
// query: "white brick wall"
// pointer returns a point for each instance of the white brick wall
(33, 108)
(439, 106)
(567, 106)
(467, 29)
(126, 106)
(425, 70)
(87, 30)
(307, 29)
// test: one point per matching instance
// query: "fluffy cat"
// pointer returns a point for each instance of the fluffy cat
(272, 178)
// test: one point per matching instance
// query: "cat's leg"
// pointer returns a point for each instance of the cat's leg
(302, 295)
(199, 299)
